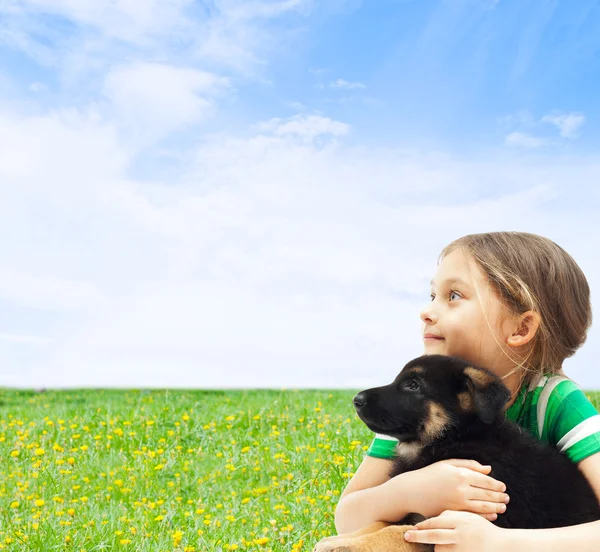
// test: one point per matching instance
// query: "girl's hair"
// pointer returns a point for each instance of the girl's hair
(530, 272)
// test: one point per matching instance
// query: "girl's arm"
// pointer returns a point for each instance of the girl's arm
(369, 496)
(578, 538)
(457, 483)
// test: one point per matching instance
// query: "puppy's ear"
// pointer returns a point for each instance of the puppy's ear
(488, 392)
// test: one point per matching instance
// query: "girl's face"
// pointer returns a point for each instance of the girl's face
(465, 324)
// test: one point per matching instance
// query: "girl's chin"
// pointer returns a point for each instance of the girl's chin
(436, 344)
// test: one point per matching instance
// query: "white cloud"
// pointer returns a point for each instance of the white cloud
(154, 99)
(236, 37)
(38, 87)
(226, 35)
(567, 123)
(305, 127)
(342, 84)
(45, 291)
(276, 261)
(522, 118)
(131, 20)
(25, 339)
(522, 139)
(276, 255)
(254, 9)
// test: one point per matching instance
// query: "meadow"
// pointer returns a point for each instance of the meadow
(175, 470)
(165, 470)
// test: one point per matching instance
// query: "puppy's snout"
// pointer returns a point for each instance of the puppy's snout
(360, 400)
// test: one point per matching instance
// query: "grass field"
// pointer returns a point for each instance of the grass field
(175, 470)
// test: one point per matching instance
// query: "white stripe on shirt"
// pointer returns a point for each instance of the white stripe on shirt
(385, 437)
(580, 431)
(542, 404)
(540, 382)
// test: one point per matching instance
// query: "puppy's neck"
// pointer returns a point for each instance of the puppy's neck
(409, 450)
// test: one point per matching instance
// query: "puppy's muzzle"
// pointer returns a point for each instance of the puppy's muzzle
(359, 401)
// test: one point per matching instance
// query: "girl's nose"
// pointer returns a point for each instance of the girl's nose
(428, 315)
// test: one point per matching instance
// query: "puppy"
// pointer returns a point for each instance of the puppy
(442, 407)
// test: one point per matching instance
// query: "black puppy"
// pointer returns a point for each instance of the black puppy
(441, 407)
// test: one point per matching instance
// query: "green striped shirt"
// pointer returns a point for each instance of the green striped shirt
(552, 408)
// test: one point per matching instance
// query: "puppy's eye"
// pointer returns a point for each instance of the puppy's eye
(413, 385)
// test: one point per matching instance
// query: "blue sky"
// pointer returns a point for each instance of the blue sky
(208, 194)
(448, 74)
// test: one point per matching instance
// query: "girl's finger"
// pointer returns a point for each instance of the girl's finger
(446, 521)
(431, 536)
(486, 482)
(488, 496)
(481, 507)
(471, 464)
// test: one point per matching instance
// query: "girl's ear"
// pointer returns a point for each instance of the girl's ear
(526, 327)
(488, 392)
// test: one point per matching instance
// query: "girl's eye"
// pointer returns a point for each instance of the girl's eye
(413, 385)
(432, 296)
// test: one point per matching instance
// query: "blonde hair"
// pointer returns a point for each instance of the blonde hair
(530, 272)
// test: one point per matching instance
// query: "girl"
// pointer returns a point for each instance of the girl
(518, 304)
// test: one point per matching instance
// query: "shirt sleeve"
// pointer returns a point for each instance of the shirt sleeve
(573, 422)
(383, 446)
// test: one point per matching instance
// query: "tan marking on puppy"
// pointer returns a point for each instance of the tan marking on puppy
(417, 370)
(437, 421)
(375, 526)
(479, 377)
(465, 400)
(389, 539)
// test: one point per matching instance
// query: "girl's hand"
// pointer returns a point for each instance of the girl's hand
(456, 485)
(458, 532)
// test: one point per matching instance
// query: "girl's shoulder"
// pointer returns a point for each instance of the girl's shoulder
(558, 411)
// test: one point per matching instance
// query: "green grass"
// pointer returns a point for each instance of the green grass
(175, 470)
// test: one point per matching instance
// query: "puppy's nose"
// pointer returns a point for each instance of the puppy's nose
(360, 400)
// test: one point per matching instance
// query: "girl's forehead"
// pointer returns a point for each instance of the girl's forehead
(458, 267)
(458, 264)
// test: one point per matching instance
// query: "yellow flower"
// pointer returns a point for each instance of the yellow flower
(177, 537)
